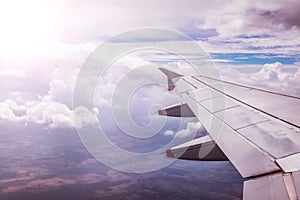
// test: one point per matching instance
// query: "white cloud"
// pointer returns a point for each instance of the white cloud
(270, 72)
(14, 106)
(51, 71)
(49, 113)
(98, 20)
(52, 113)
(84, 21)
(168, 133)
(84, 116)
(57, 63)
(6, 113)
(276, 77)
(192, 129)
(252, 18)
(57, 88)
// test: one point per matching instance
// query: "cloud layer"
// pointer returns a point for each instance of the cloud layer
(49, 113)
(38, 85)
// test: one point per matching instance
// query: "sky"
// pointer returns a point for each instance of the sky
(45, 44)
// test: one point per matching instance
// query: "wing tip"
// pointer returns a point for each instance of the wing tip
(169, 153)
(170, 74)
(171, 77)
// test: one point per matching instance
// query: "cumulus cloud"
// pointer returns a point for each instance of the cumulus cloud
(276, 77)
(14, 106)
(40, 72)
(12, 111)
(192, 129)
(168, 133)
(49, 113)
(52, 113)
(57, 88)
(6, 113)
(54, 106)
(85, 116)
(270, 72)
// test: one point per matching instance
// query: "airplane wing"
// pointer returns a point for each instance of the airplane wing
(257, 130)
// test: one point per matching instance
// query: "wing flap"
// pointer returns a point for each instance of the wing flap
(296, 178)
(243, 154)
(267, 187)
(182, 110)
(273, 137)
(203, 148)
(290, 163)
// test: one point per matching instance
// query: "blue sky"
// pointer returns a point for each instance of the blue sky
(256, 58)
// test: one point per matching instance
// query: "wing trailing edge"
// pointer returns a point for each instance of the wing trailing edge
(182, 110)
(203, 148)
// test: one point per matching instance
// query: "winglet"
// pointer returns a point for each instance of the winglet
(171, 75)
(182, 110)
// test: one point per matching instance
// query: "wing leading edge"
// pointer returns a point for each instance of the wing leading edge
(257, 130)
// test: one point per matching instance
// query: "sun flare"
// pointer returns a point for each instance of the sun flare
(24, 25)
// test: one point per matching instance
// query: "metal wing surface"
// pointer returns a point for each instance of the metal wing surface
(256, 129)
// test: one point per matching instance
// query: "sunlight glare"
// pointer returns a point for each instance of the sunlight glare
(24, 25)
